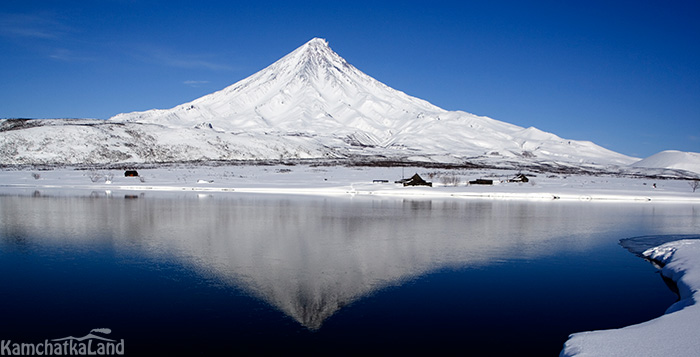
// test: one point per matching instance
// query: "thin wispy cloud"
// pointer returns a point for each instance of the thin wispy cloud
(65, 55)
(46, 34)
(31, 26)
(195, 84)
(196, 63)
(43, 34)
(170, 58)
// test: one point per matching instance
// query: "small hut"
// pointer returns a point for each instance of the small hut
(131, 173)
(519, 178)
(481, 182)
(415, 180)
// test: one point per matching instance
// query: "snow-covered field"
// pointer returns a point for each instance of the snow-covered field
(340, 180)
(674, 333)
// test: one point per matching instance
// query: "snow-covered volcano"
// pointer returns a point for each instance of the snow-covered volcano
(316, 92)
(311, 89)
(310, 104)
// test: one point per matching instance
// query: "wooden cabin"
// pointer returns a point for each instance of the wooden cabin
(415, 180)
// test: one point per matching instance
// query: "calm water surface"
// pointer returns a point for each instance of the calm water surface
(231, 273)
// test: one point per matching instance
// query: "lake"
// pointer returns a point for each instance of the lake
(232, 273)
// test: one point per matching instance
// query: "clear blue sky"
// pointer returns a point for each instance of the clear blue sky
(625, 75)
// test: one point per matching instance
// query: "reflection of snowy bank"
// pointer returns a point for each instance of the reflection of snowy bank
(676, 333)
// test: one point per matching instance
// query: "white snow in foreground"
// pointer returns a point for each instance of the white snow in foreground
(676, 333)
(350, 181)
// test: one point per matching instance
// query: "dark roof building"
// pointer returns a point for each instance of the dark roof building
(415, 180)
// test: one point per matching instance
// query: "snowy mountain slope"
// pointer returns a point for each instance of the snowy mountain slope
(312, 88)
(672, 159)
(83, 141)
(309, 104)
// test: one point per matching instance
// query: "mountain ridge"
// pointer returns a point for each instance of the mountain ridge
(309, 104)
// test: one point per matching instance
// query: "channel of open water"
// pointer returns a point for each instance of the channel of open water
(231, 273)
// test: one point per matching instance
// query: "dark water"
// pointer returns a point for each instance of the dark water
(230, 273)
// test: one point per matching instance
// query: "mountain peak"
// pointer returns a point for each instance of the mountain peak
(317, 41)
(310, 87)
(315, 45)
(315, 56)
(315, 94)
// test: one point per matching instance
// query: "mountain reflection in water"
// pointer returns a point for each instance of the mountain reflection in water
(307, 256)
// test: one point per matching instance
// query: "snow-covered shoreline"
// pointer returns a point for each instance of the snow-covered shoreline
(351, 181)
(675, 333)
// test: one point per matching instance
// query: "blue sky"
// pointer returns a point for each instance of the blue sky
(625, 75)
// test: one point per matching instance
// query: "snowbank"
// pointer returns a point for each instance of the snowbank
(351, 181)
(675, 333)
